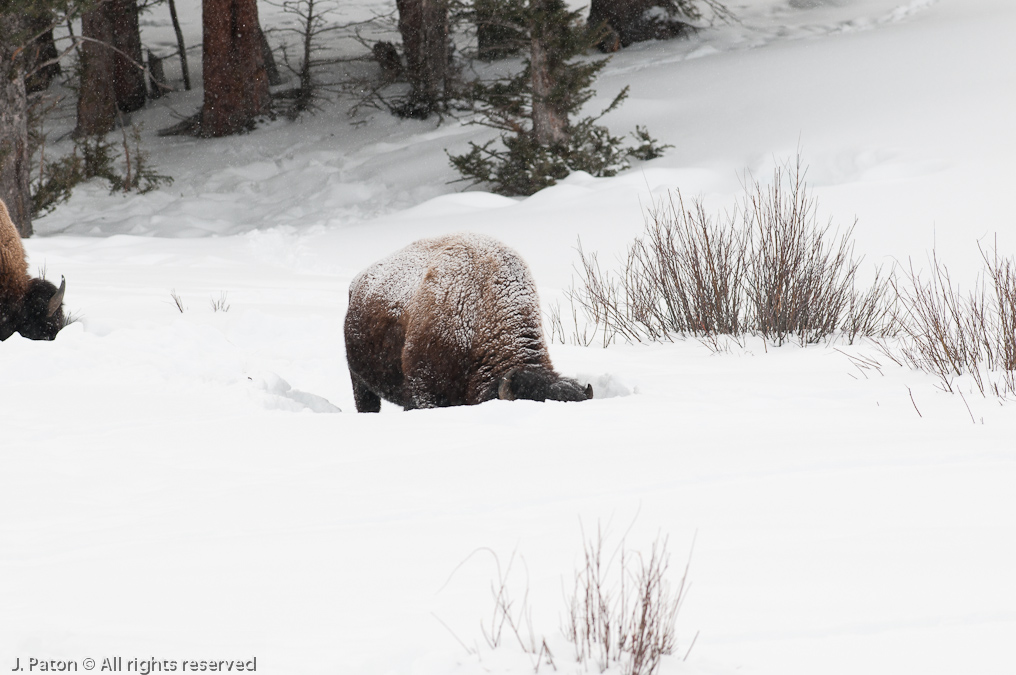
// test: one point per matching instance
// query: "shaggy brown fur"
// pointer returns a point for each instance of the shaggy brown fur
(31, 307)
(449, 321)
(13, 264)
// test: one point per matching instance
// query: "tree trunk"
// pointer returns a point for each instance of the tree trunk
(550, 122)
(180, 46)
(424, 28)
(96, 97)
(15, 189)
(236, 82)
(128, 77)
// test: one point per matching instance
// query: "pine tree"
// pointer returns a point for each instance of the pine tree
(535, 111)
(628, 21)
(497, 34)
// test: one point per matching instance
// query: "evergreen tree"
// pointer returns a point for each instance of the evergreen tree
(628, 21)
(535, 111)
(497, 33)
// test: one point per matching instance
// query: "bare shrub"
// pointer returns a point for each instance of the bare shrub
(768, 268)
(582, 333)
(950, 334)
(998, 328)
(517, 617)
(220, 304)
(799, 283)
(694, 269)
(624, 613)
(873, 311)
(602, 298)
(177, 300)
(936, 319)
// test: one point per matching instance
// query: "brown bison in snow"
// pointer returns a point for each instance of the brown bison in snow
(32, 307)
(449, 321)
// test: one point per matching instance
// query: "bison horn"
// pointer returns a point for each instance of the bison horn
(57, 300)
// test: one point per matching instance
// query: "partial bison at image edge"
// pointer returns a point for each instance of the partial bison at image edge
(453, 320)
(29, 306)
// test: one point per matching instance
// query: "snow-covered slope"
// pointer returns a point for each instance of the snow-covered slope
(181, 485)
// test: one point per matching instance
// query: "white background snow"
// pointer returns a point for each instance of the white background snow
(182, 486)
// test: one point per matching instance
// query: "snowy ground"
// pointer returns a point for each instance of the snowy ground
(182, 486)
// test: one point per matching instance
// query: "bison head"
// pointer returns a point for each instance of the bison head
(41, 316)
(541, 384)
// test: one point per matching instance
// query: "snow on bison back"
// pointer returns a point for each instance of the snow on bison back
(453, 320)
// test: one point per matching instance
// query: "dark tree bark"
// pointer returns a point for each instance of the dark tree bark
(550, 115)
(179, 45)
(236, 82)
(15, 189)
(424, 28)
(128, 77)
(96, 97)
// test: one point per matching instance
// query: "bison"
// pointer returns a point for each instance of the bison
(453, 320)
(32, 307)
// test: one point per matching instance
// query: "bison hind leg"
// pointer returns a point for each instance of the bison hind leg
(365, 398)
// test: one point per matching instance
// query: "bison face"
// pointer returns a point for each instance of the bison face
(541, 384)
(42, 314)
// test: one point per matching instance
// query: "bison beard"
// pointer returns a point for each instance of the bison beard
(449, 321)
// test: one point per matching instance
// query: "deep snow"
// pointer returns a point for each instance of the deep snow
(169, 490)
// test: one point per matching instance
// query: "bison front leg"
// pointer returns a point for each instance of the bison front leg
(366, 400)
(422, 390)
(434, 378)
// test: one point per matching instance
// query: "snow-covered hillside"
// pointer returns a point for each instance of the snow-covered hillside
(183, 486)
